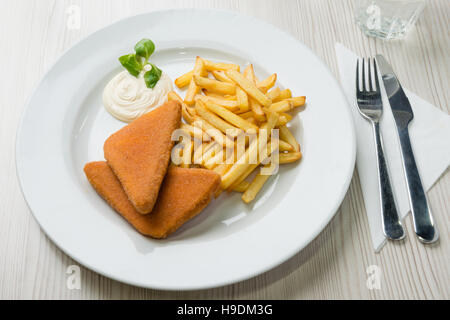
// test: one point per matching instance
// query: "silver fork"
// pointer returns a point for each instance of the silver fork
(371, 108)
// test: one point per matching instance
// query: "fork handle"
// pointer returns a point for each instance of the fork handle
(392, 227)
(424, 226)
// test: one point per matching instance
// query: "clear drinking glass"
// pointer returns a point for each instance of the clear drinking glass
(388, 19)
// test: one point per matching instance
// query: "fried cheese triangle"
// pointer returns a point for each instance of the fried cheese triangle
(139, 154)
(184, 193)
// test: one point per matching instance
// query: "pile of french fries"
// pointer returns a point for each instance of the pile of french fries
(220, 105)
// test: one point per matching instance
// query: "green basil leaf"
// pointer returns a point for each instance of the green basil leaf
(152, 76)
(131, 63)
(145, 48)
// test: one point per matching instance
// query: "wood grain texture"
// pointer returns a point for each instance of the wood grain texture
(333, 266)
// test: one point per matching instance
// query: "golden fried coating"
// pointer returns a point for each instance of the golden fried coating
(139, 154)
(184, 193)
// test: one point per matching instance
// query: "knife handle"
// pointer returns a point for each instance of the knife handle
(424, 226)
(392, 227)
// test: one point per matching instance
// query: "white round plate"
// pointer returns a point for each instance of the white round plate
(65, 125)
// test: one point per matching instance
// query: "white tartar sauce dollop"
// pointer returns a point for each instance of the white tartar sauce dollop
(127, 97)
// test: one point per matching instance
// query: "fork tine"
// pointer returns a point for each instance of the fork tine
(364, 87)
(375, 71)
(370, 86)
(357, 75)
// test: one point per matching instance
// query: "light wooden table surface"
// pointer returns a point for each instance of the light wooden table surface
(34, 33)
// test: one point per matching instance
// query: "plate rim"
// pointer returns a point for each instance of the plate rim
(289, 254)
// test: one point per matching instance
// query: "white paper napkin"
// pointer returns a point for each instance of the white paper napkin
(430, 139)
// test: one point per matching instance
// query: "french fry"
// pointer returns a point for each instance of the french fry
(193, 88)
(217, 122)
(267, 151)
(287, 136)
(184, 80)
(187, 154)
(252, 120)
(222, 168)
(195, 132)
(243, 176)
(297, 101)
(217, 158)
(187, 112)
(219, 96)
(210, 152)
(249, 73)
(254, 187)
(220, 66)
(221, 76)
(265, 130)
(267, 83)
(173, 96)
(261, 145)
(242, 187)
(214, 133)
(258, 112)
(289, 157)
(231, 105)
(242, 100)
(214, 85)
(249, 87)
(231, 117)
(284, 94)
(240, 166)
(198, 153)
(246, 115)
(281, 106)
(284, 146)
(255, 106)
(283, 119)
(273, 94)
(272, 119)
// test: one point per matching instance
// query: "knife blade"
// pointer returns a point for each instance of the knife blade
(424, 226)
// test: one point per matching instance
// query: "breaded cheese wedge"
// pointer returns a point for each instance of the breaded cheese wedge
(184, 193)
(139, 154)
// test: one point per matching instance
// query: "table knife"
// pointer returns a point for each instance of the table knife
(424, 226)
